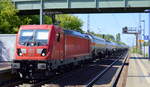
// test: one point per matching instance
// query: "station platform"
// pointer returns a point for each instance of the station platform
(138, 71)
(5, 66)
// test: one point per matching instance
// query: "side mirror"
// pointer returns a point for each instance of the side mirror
(58, 37)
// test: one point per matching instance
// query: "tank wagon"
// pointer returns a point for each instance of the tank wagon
(42, 49)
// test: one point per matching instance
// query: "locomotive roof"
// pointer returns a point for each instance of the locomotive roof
(35, 26)
(74, 33)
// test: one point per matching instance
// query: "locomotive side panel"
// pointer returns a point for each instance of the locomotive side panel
(58, 46)
(76, 46)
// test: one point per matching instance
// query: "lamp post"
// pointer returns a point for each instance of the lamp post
(148, 10)
(143, 33)
(140, 31)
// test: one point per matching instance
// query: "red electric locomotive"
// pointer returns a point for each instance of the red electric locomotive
(42, 49)
(46, 48)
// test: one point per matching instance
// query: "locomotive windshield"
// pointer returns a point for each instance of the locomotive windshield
(36, 37)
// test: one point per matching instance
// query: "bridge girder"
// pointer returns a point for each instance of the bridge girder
(82, 6)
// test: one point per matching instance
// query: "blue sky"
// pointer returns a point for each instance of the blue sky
(113, 23)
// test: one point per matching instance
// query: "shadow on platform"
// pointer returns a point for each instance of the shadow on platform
(138, 76)
(139, 58)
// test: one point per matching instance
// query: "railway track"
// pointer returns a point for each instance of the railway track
(115, 80)
(73, 78)
(12, 83)
(98, 76)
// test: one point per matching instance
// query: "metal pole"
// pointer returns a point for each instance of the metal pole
(140, 44)
(148, 10)
(144, 35)
(41, 13)
(144, 40)
(137, 41)
(149, 34)
(88, 23)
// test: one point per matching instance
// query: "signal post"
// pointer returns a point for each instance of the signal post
(132, 30)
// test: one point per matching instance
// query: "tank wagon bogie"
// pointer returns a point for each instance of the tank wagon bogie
(42, 49)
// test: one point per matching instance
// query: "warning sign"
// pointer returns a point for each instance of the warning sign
(141, 41)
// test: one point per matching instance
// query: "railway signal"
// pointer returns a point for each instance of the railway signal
(132, 30)
(125, 30)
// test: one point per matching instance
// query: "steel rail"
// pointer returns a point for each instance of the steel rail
(13, 84)
(118, 73)
(102, 73)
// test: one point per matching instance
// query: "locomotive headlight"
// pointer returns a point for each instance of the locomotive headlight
(41, 66)
(44, 52)
(16, 65)
(20, 54)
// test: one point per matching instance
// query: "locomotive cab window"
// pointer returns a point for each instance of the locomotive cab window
(38, 37)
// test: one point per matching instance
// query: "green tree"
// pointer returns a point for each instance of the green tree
(98, 35)
(110, 37)
(118, 38)
(107, 37)
(67, 21)
(9, 21)
(70, 22)
(146, 43)
(34, 18)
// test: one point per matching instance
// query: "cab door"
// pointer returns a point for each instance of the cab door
(60, 44)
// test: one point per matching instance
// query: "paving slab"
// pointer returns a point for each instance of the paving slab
(138, 72)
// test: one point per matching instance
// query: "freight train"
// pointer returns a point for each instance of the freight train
(42, 49)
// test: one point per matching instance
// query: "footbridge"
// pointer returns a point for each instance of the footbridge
(82, 6)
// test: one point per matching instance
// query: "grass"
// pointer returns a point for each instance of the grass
(136, 50)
